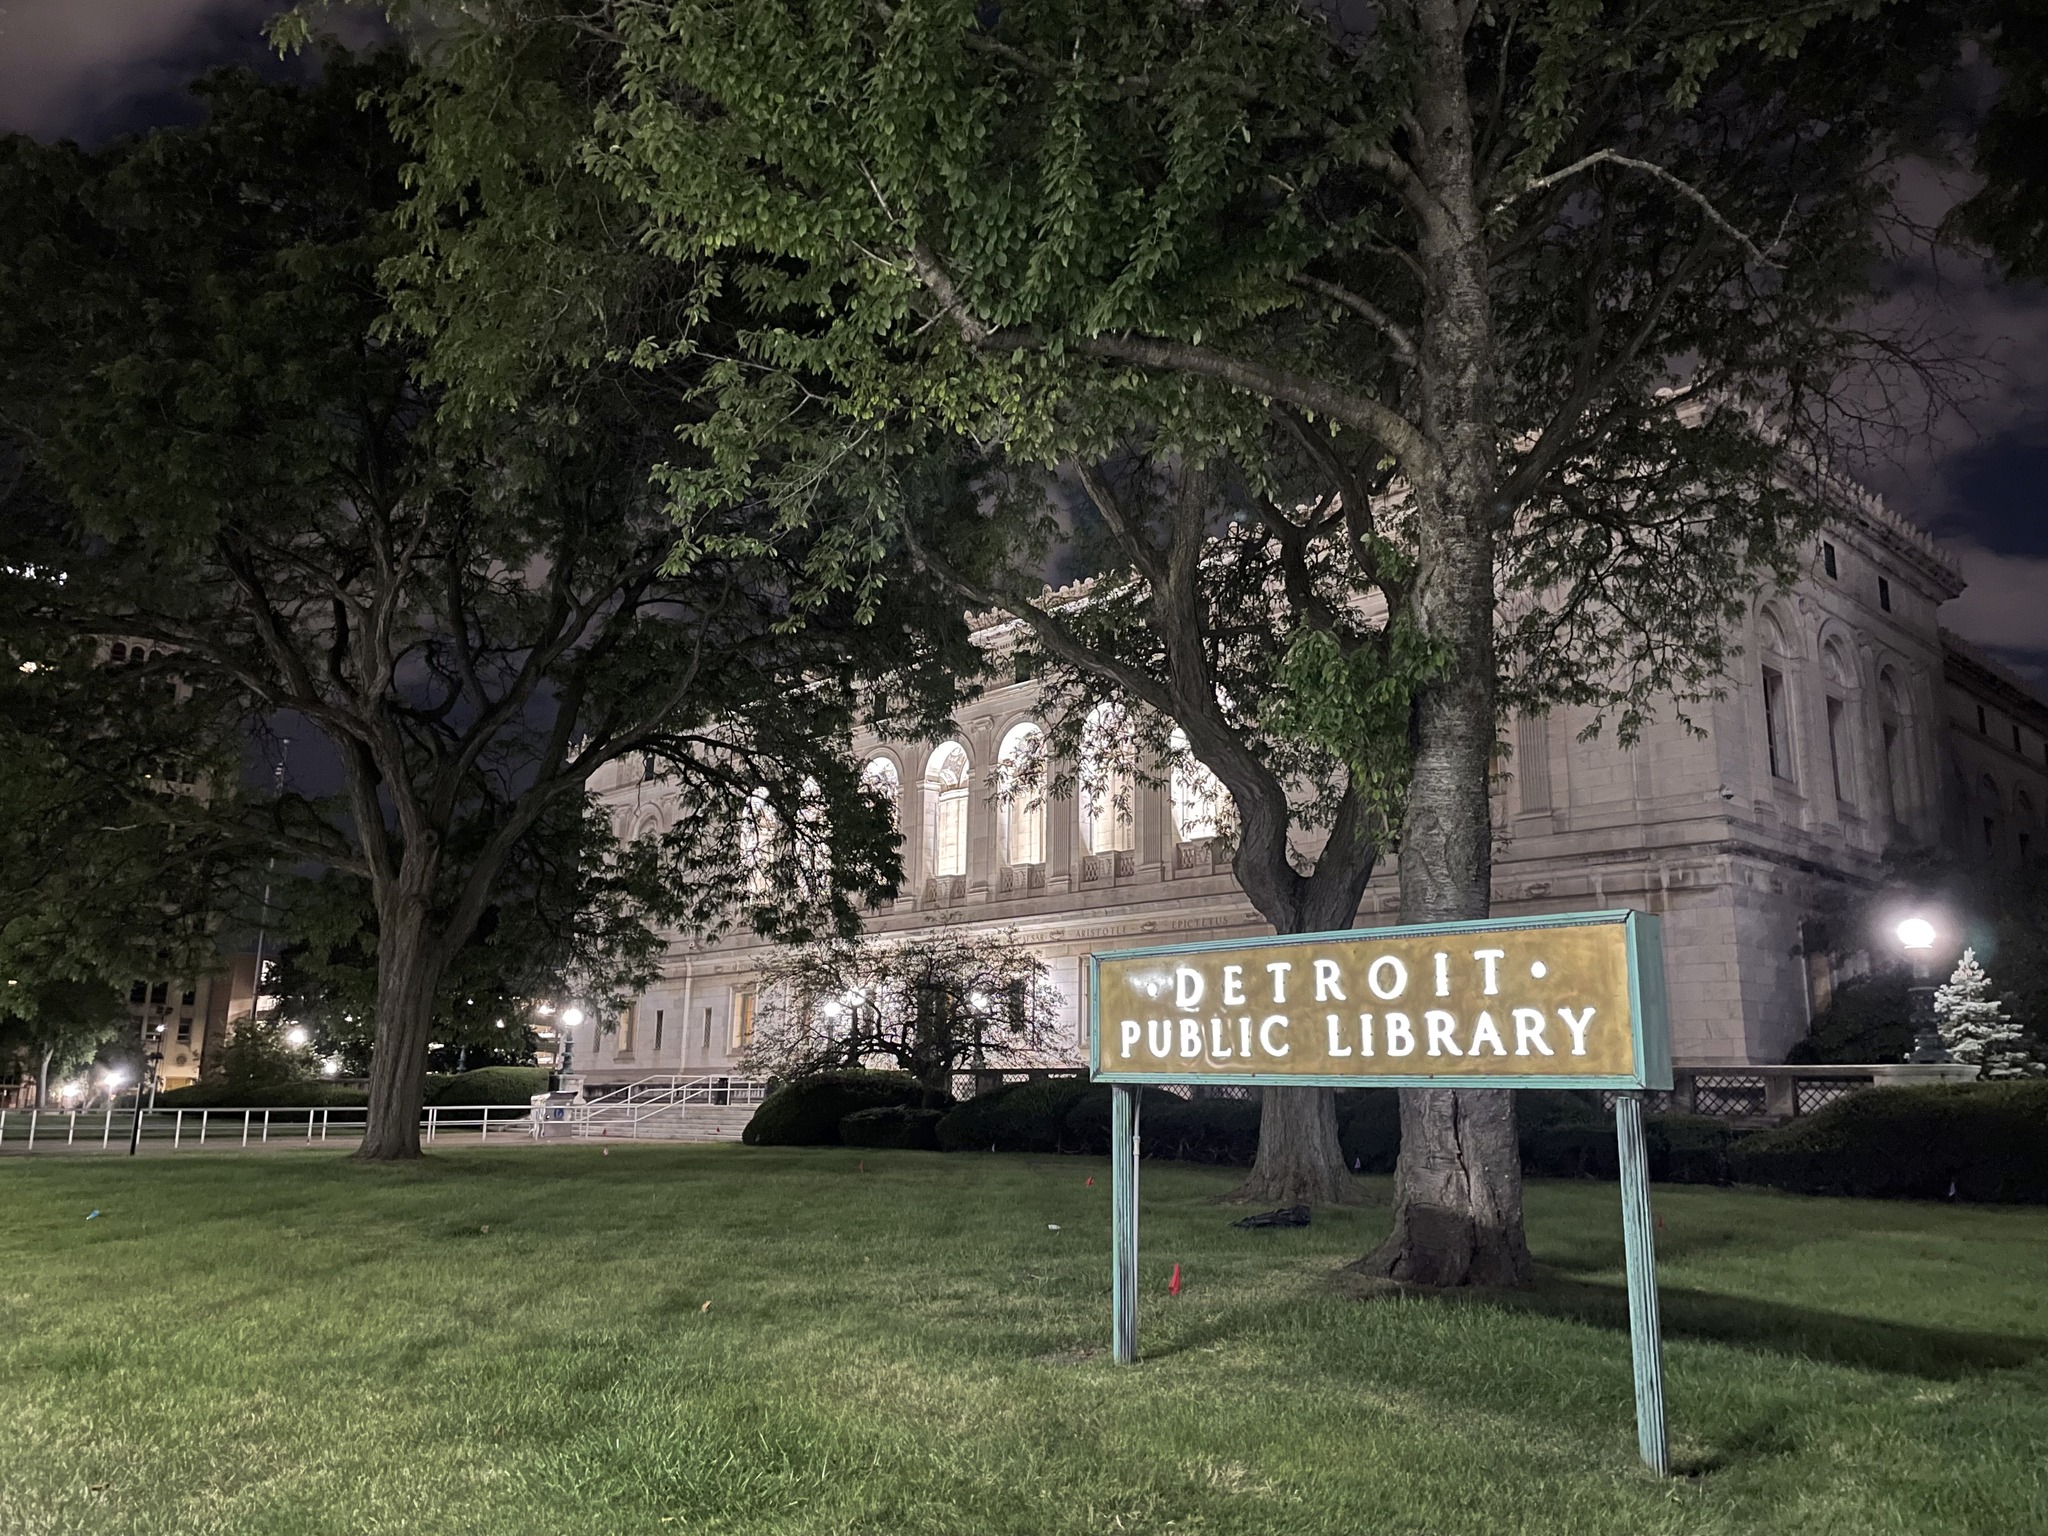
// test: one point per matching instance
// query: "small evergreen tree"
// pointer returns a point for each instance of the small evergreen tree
(1975, 1027)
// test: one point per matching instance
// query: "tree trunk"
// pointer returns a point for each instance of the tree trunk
(43, 1081)
(1458, 1185)
(407, 973)
(1299, 1161)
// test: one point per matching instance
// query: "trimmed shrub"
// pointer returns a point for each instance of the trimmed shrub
(296, 1095)
(1963, 1141)
(491, 1085)
(1026, 1117)
(807, 1112)
(893, 1125)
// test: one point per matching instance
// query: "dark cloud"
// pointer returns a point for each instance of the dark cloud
(90, 69)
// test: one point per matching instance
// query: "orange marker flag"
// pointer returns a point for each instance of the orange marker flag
(1173, 1285)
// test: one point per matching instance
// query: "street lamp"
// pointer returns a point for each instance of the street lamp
(296, 1037)
(1916, 936)
(571, 1017)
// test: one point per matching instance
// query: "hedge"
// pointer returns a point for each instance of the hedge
(491, 1085)
(892, 1125)
(297, 1095)
(1029, 1117)
(1960, 1141)
(807, 1111)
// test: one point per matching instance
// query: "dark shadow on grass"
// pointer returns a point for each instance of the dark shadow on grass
(1872, 1344)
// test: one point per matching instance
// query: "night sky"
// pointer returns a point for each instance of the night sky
(1972, 474)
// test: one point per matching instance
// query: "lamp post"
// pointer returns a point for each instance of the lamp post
(569, 1018)
(1916, 937)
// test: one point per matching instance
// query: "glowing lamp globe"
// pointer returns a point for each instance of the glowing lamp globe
(572, 1016)
(1916, 933)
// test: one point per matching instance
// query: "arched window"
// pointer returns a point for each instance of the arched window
(1835, 668)
(880, 777)
(1891, 719)
(1020, 778)
(1990, 803)
(1198, 795)
(945, 788)
(757, 840)
(1105, 775)
(1777, 706)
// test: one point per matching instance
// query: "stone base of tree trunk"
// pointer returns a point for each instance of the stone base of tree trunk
(1457, 1194)
(1299, 1161)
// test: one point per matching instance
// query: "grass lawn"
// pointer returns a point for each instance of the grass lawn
(516, 1342)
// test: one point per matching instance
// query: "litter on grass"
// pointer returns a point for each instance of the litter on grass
(1286, 1216)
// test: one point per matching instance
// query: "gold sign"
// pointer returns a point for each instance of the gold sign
(1567, 1001)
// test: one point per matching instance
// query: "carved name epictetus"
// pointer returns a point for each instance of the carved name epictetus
(1575, 1000)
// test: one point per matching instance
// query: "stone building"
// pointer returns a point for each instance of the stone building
(1852, 720)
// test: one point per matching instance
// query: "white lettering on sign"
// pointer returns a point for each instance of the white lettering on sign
(1328, 982)
(1387, 991)
(1491, 959)
(1278, 971)
(1555, 1000)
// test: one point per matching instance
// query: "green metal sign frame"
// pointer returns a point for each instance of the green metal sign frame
(1650, 1033)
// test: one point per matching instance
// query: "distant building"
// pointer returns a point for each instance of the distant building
(1852, 721)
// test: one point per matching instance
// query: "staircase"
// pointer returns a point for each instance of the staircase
(668, 1109)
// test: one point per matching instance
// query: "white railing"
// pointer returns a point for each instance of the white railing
(111, 1130)
(677, 1090)
(666, 1108)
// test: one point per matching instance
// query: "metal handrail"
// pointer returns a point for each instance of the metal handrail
(242, 1125)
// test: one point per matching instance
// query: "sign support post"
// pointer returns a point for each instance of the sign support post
(1123, 1169)
(1639, 1245)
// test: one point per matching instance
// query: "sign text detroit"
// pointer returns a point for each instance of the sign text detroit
(1569, 1001)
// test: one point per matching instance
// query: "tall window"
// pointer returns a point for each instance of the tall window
(1777, 733)
(1532, 761)
(1105, 774)
(879, 777)
(1993, 803)
(757, 841)
(744, 1000)
(1837, 748)
(629, 1030)
(1199, 798)
(946, 792)
(1884, 594)
(1020, 769)
(1891, 709)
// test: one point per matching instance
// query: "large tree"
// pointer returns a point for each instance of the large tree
(474, 609)
(1568, 293)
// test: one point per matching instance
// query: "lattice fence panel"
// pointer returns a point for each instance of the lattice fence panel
(1734, 1095)
(1810, 1094)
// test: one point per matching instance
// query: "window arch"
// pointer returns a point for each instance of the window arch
(2024, 822)
(1990, 803)
(880, 777)
(1020, 770)
(1199, 799)
(945, 788)
(1841, 681)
